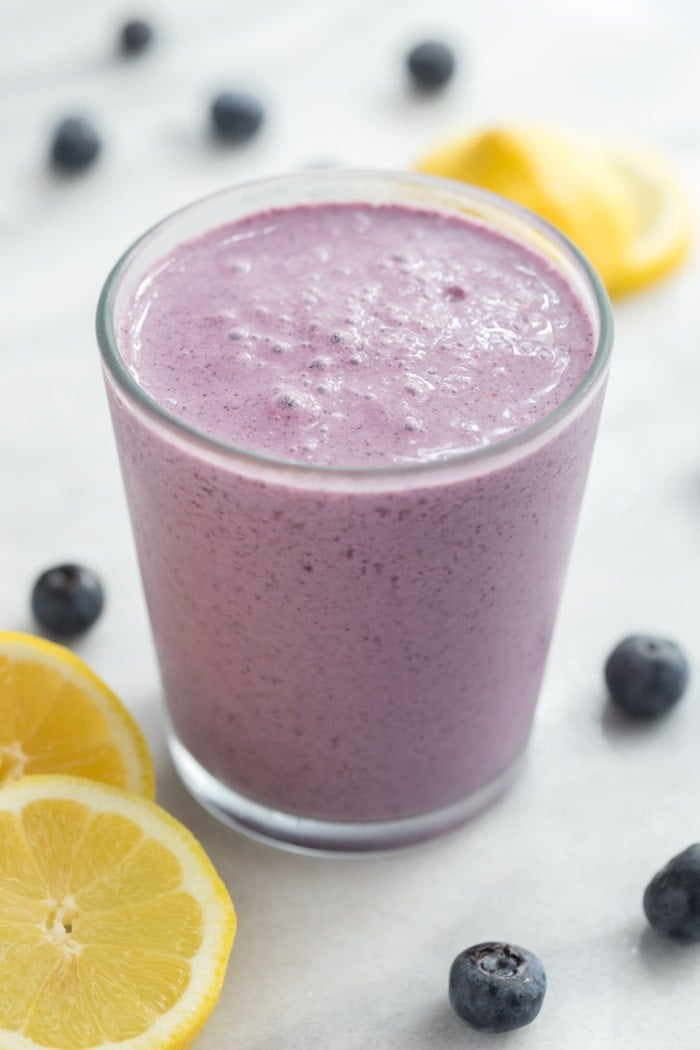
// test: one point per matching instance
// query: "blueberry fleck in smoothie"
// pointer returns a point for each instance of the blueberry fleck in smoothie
(354, 504)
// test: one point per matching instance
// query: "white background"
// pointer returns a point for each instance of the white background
(354, 954)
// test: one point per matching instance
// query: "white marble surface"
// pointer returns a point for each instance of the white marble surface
(345, 954)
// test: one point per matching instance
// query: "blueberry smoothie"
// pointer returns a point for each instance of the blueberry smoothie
(354, 436)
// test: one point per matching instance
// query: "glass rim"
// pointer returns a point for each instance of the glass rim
(479, 454)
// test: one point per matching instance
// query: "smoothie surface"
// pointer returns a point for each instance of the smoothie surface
(356, 335)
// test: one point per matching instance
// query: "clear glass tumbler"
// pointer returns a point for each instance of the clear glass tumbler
(350, 657)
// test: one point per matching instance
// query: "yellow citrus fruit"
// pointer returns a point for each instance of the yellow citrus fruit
(115, 929)
(57, 716)
(663, 219)
(626, 210)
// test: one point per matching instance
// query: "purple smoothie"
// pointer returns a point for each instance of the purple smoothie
(361, 636)
(356, 336)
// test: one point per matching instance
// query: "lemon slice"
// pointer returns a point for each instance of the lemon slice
(57, 716)
(626, 210)
(115, 929)
(663, 219)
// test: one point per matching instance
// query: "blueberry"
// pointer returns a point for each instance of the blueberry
(75, 145)
(67, 599)
(236, 117)
(672, 898)
(135, 36)
(430, 64)
(646, 675)
(497, 987)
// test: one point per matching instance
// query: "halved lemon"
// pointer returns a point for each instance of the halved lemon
(663, 219)
(626, 209)
(58, 716)
(115, 929)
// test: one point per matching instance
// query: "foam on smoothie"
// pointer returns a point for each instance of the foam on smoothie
(356, 335)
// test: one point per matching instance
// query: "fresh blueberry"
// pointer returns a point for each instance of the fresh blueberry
(672, 898)
(75, 145)
(67, 599)
(135, 36)
(236, 117)
(646, 675)
(497, 987)
(430, 64)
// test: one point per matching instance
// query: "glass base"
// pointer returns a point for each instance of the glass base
(310, 835)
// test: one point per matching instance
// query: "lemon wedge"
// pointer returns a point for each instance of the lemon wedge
(115, 928)
(58, 716)
(625, 209)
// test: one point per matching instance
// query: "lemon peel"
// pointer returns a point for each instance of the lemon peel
(625, 208)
